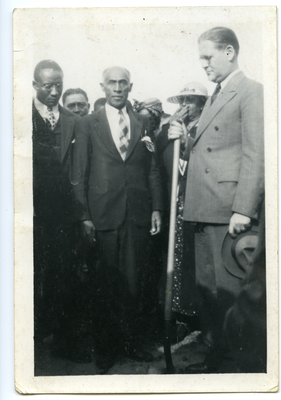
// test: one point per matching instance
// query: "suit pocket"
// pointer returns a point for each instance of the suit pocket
(228, 176)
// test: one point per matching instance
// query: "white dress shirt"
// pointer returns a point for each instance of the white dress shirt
(113, 117)
(42, 109)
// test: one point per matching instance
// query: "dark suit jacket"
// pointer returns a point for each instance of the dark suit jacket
(51, 174)
(105, 186)
(226, 165)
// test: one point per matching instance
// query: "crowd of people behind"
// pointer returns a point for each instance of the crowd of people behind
(102, 188)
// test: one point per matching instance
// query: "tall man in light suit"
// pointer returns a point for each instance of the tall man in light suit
(225, 183)
(118, 193)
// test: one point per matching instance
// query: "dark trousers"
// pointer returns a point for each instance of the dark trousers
(53, 275)
(122, 256)
(217, 289)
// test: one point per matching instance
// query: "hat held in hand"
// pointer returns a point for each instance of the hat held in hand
(237, 253)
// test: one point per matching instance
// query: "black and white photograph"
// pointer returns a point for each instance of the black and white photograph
(145, 181)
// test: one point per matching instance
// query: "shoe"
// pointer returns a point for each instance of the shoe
(200, 368)
(104, 362)
(140, 355)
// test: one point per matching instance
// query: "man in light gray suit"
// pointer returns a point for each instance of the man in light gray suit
(225, 183)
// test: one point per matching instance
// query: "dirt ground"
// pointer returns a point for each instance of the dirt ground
(189, 351)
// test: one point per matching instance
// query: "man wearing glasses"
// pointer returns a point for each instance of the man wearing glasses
(76, 101)
(53, 139)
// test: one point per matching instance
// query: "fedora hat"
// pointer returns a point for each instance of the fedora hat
(190, 89)
(237, 253)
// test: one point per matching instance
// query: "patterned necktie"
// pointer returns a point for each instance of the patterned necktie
(216, 92)
(124, 135)
(51, 118)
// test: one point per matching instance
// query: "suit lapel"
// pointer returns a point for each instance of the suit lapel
(67, 129)
(136, 126)
(211, 110)
(103, 129)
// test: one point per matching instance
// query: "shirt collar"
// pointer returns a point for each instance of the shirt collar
(42, 108)
(227, 79)
(112, 111)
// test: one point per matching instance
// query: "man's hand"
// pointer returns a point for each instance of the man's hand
(181, 113)
(238, 223)
(156, 222)
(88, 231)
(177, 130)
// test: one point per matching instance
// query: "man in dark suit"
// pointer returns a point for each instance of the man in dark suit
(53, 139)
(118, 193)
(225, 184)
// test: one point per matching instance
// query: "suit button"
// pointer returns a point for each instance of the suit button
(216, 128)
(209, 149)
(207, 170)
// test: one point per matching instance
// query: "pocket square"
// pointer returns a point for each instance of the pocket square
(149, 144)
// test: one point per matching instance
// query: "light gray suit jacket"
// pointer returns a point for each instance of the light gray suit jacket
(226, 166)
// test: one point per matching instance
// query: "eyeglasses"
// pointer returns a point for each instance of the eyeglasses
(71, 106)
(48, 86)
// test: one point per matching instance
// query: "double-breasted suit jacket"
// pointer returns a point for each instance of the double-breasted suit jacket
(226, 165)
(106, 186)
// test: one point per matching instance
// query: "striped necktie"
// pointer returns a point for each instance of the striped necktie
(124, 135)
(216, 92)
(51, 118)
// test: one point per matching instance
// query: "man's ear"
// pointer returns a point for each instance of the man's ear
(35, 85)
(230, 52)
(131, 85)
(102, 86)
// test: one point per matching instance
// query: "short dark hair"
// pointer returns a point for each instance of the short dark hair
(99, 103)
(222, 37)
(46, 64)
(68, 92)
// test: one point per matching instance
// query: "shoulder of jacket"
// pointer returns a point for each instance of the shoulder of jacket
(248, 82)
(142, 118)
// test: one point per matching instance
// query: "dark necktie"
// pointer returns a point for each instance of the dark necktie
(124, 135)
(216, 92)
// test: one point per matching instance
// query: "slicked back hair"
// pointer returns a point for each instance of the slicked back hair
(68, 92)
(115, 66)
(45, 64)
(222, 37)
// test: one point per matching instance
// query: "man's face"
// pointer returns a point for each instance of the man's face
(214, 61)
(77, 104)
(49, 88)
(116, 87)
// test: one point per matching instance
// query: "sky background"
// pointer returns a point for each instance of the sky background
(161, 55)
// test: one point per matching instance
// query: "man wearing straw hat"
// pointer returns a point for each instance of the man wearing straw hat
(225, 184)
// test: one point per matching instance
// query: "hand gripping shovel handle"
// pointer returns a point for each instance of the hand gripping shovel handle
(170, 263)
